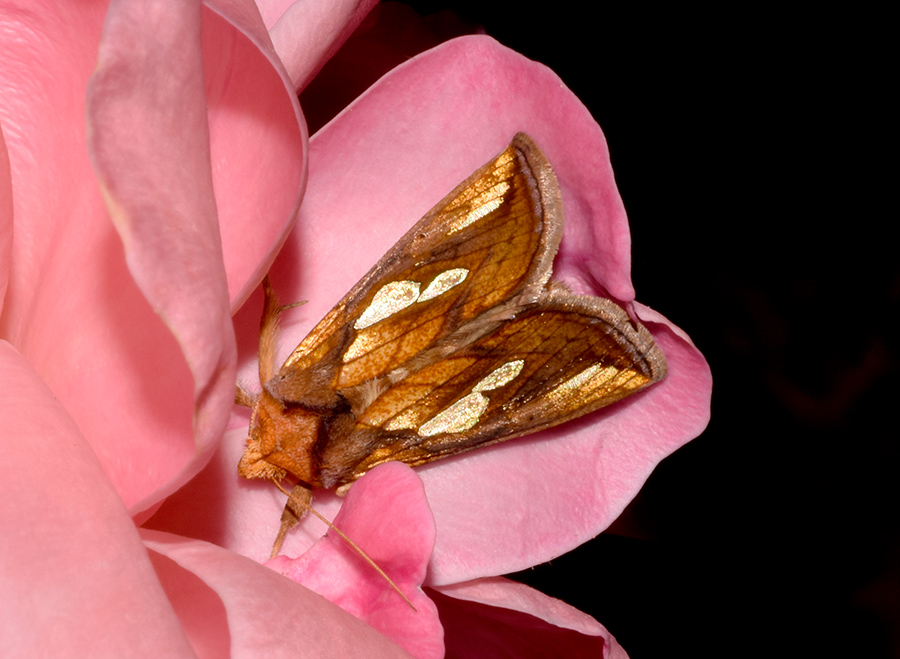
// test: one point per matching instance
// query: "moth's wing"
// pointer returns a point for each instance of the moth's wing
(559, 358)
(489, 244)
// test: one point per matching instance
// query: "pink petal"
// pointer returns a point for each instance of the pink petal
(528, 500)
(307, 33)
(48, 51)
(121, 375)
(6, 219)
(155, 171)
(68, 282)
(391, 34)
(258, 141)
(387, 516)
(232, 606)
(437, 114)
(74, 575)
(498, 617)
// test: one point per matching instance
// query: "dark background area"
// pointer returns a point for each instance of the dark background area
(750, 149)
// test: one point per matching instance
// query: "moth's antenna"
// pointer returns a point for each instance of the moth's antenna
(346, 539)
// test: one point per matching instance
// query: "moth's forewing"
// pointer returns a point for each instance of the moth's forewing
(452, 341)
(498, 231)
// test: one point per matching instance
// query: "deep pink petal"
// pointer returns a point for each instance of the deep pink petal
(74, 575)
(498, 617)
(386, 515)
(232, 606)
(308, 32)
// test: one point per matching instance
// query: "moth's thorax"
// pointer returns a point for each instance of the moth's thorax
(281, 441)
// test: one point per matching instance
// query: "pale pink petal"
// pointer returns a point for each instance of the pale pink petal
(121, 374)
(498, 617)
(258, 141)
(386, 515)
(232, 606)
(72, 308)
(48, 52)
(75, 578)
(6, 218)
(153, 166)
(42, 82)
(307, 32)
(69, 285)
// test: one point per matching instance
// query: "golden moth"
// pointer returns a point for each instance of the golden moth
(454, 340)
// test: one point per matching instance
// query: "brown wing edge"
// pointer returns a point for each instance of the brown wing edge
(546, 186)
(610, 312)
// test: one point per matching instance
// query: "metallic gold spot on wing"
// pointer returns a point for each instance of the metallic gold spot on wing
(391, 298)
(466, 412)
(404, 421)
(486, 203)
(443, 283)
(500, 376)
(587, 380)
(459, 417)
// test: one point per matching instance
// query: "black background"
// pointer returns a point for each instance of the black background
(750, 148)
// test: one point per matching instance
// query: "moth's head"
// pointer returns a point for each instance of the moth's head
(260, 444)
(279, 441)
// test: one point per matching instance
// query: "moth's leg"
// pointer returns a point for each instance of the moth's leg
(268, 330)
(243, 397)
(294, 510)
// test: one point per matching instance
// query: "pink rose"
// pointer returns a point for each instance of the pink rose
(135, 224)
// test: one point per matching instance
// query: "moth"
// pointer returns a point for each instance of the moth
(454, 340)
